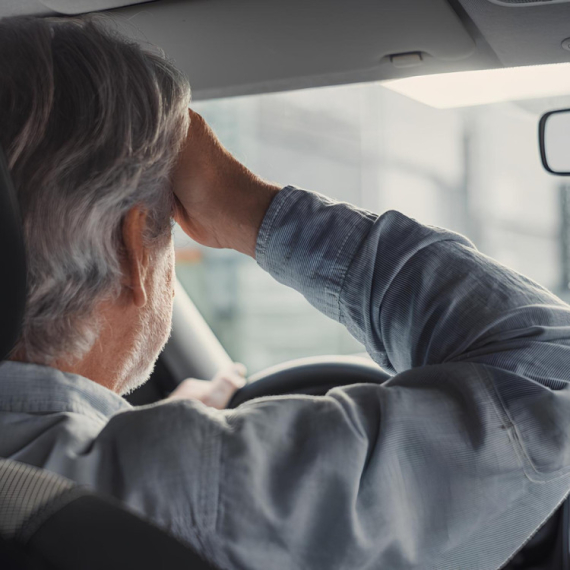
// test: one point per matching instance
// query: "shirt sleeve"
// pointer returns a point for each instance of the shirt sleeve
(413, 294)
(424, 471)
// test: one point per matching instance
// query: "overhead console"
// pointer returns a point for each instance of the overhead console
(232, 47)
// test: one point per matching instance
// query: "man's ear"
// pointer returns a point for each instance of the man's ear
(136, 255)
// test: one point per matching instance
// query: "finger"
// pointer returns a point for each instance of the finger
(190, 389)
(240, 368)
(230, 378)
(214, 393)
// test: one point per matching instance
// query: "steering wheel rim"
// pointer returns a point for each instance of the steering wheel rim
(313, 376)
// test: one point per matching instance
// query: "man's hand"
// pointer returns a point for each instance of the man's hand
(219, 202)
(215, 393)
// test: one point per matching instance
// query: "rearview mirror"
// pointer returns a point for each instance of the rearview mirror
(554, 135)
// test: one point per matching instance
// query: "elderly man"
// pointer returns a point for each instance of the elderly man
(453, 463)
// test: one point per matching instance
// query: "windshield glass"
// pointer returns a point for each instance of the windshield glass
(475, 170)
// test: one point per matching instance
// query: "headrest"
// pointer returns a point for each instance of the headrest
(12, 263)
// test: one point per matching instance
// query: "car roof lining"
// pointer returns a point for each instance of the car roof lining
(239, 47)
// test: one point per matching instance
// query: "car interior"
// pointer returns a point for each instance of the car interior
(311, 81)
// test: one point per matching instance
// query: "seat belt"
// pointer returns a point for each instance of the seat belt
(565, 535)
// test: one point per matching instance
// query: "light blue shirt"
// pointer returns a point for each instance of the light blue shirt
(452, 464)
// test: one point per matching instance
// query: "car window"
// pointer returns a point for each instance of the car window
(474, 170)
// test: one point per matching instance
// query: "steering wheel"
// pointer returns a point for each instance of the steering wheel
(313, 376)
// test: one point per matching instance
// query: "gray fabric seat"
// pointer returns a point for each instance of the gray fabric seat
(49, 523)
(26, 492)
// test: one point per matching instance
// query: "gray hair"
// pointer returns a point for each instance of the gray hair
(91, 125)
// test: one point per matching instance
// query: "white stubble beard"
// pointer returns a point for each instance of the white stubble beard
(154, 331)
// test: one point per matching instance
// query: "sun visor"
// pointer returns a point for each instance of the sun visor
(81, 6)
(231, 47)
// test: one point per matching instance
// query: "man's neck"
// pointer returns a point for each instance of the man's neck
(105, 361)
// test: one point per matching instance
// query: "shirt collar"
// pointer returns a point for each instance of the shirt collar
(32, 388)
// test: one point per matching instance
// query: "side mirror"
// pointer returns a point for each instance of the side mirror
(554, 136)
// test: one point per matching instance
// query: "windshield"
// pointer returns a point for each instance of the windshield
(474, 170)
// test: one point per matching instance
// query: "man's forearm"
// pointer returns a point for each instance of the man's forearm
(245, 217)
(412, 294)
(308, 242)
